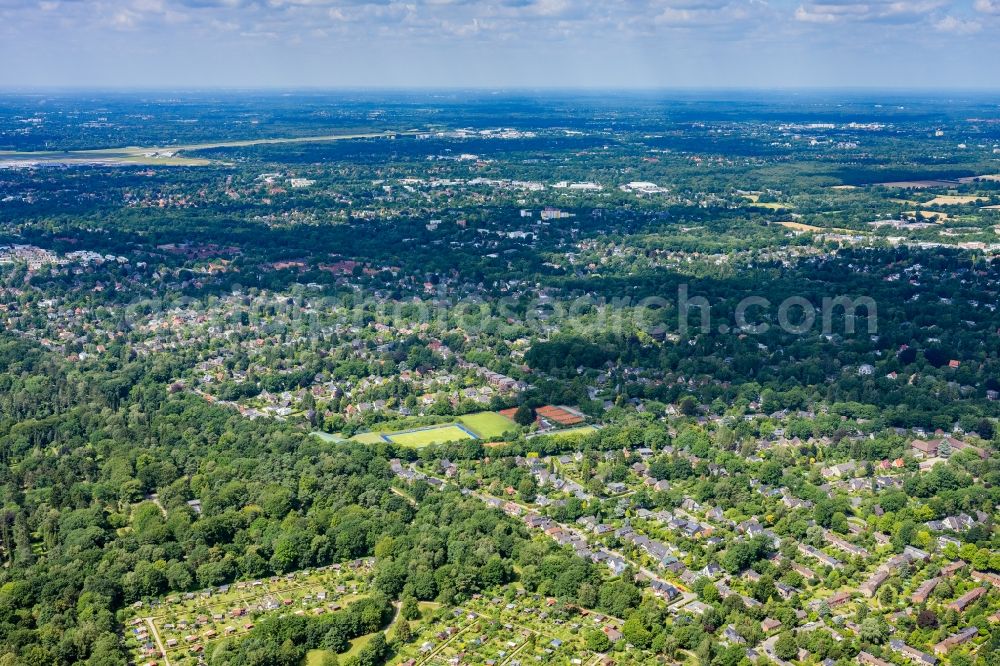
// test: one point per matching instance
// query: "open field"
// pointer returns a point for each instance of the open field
(163, 156)
(918, 184)
(753, 200)
(488, 425)
(427, 616)
(316, 657)
(953, 200)
(991, 178)
(481, 425)
(798, 226)
(108, 157)
(293, 139)
(934, 215)
(570, 432)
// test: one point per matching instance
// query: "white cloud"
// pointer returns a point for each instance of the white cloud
(872, 11)
(957, 26)
(806, 16)
(708, 15)
(620, 28)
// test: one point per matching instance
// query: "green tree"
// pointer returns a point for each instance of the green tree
(636, 633)
(525, 415)
(618, 597)
(527, 489)
(874, 630)
(597, 641)
(410, 609)
(402, 632)
(785, 647)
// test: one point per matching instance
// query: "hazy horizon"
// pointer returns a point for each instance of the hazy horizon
(569, 90)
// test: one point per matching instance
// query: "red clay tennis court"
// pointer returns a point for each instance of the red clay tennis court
(560, 415)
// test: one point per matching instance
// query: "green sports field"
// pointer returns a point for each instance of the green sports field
(481, 425)
(488, 425)
(368, 438)
(327, 437)
(431, 435)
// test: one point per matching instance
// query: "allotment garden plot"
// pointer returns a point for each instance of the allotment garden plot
(184, 625)
(522, 628)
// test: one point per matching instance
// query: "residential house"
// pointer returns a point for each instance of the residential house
(613, 634)
(730, 635)
(874, 582)
(955, 640)
(810, 551)
(921, 594)
(988, 578)
(960, 604)
(770, 624)
(912, 654)
(871, 660)
(953, 568)
(846, 546)
(843, 470)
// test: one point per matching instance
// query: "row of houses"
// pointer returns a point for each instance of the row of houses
(911, 653)
(956, 639)
(924, 590)
(910, 555)
(658, 551)
(547, 478)
(815, 553)
(574, 540)
(687, 526)
(615, 563)
(500, 381)
(844, 545)
(964, 601)
(958, 523)
(932, 448)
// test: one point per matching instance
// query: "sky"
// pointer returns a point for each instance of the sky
(931, 44)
